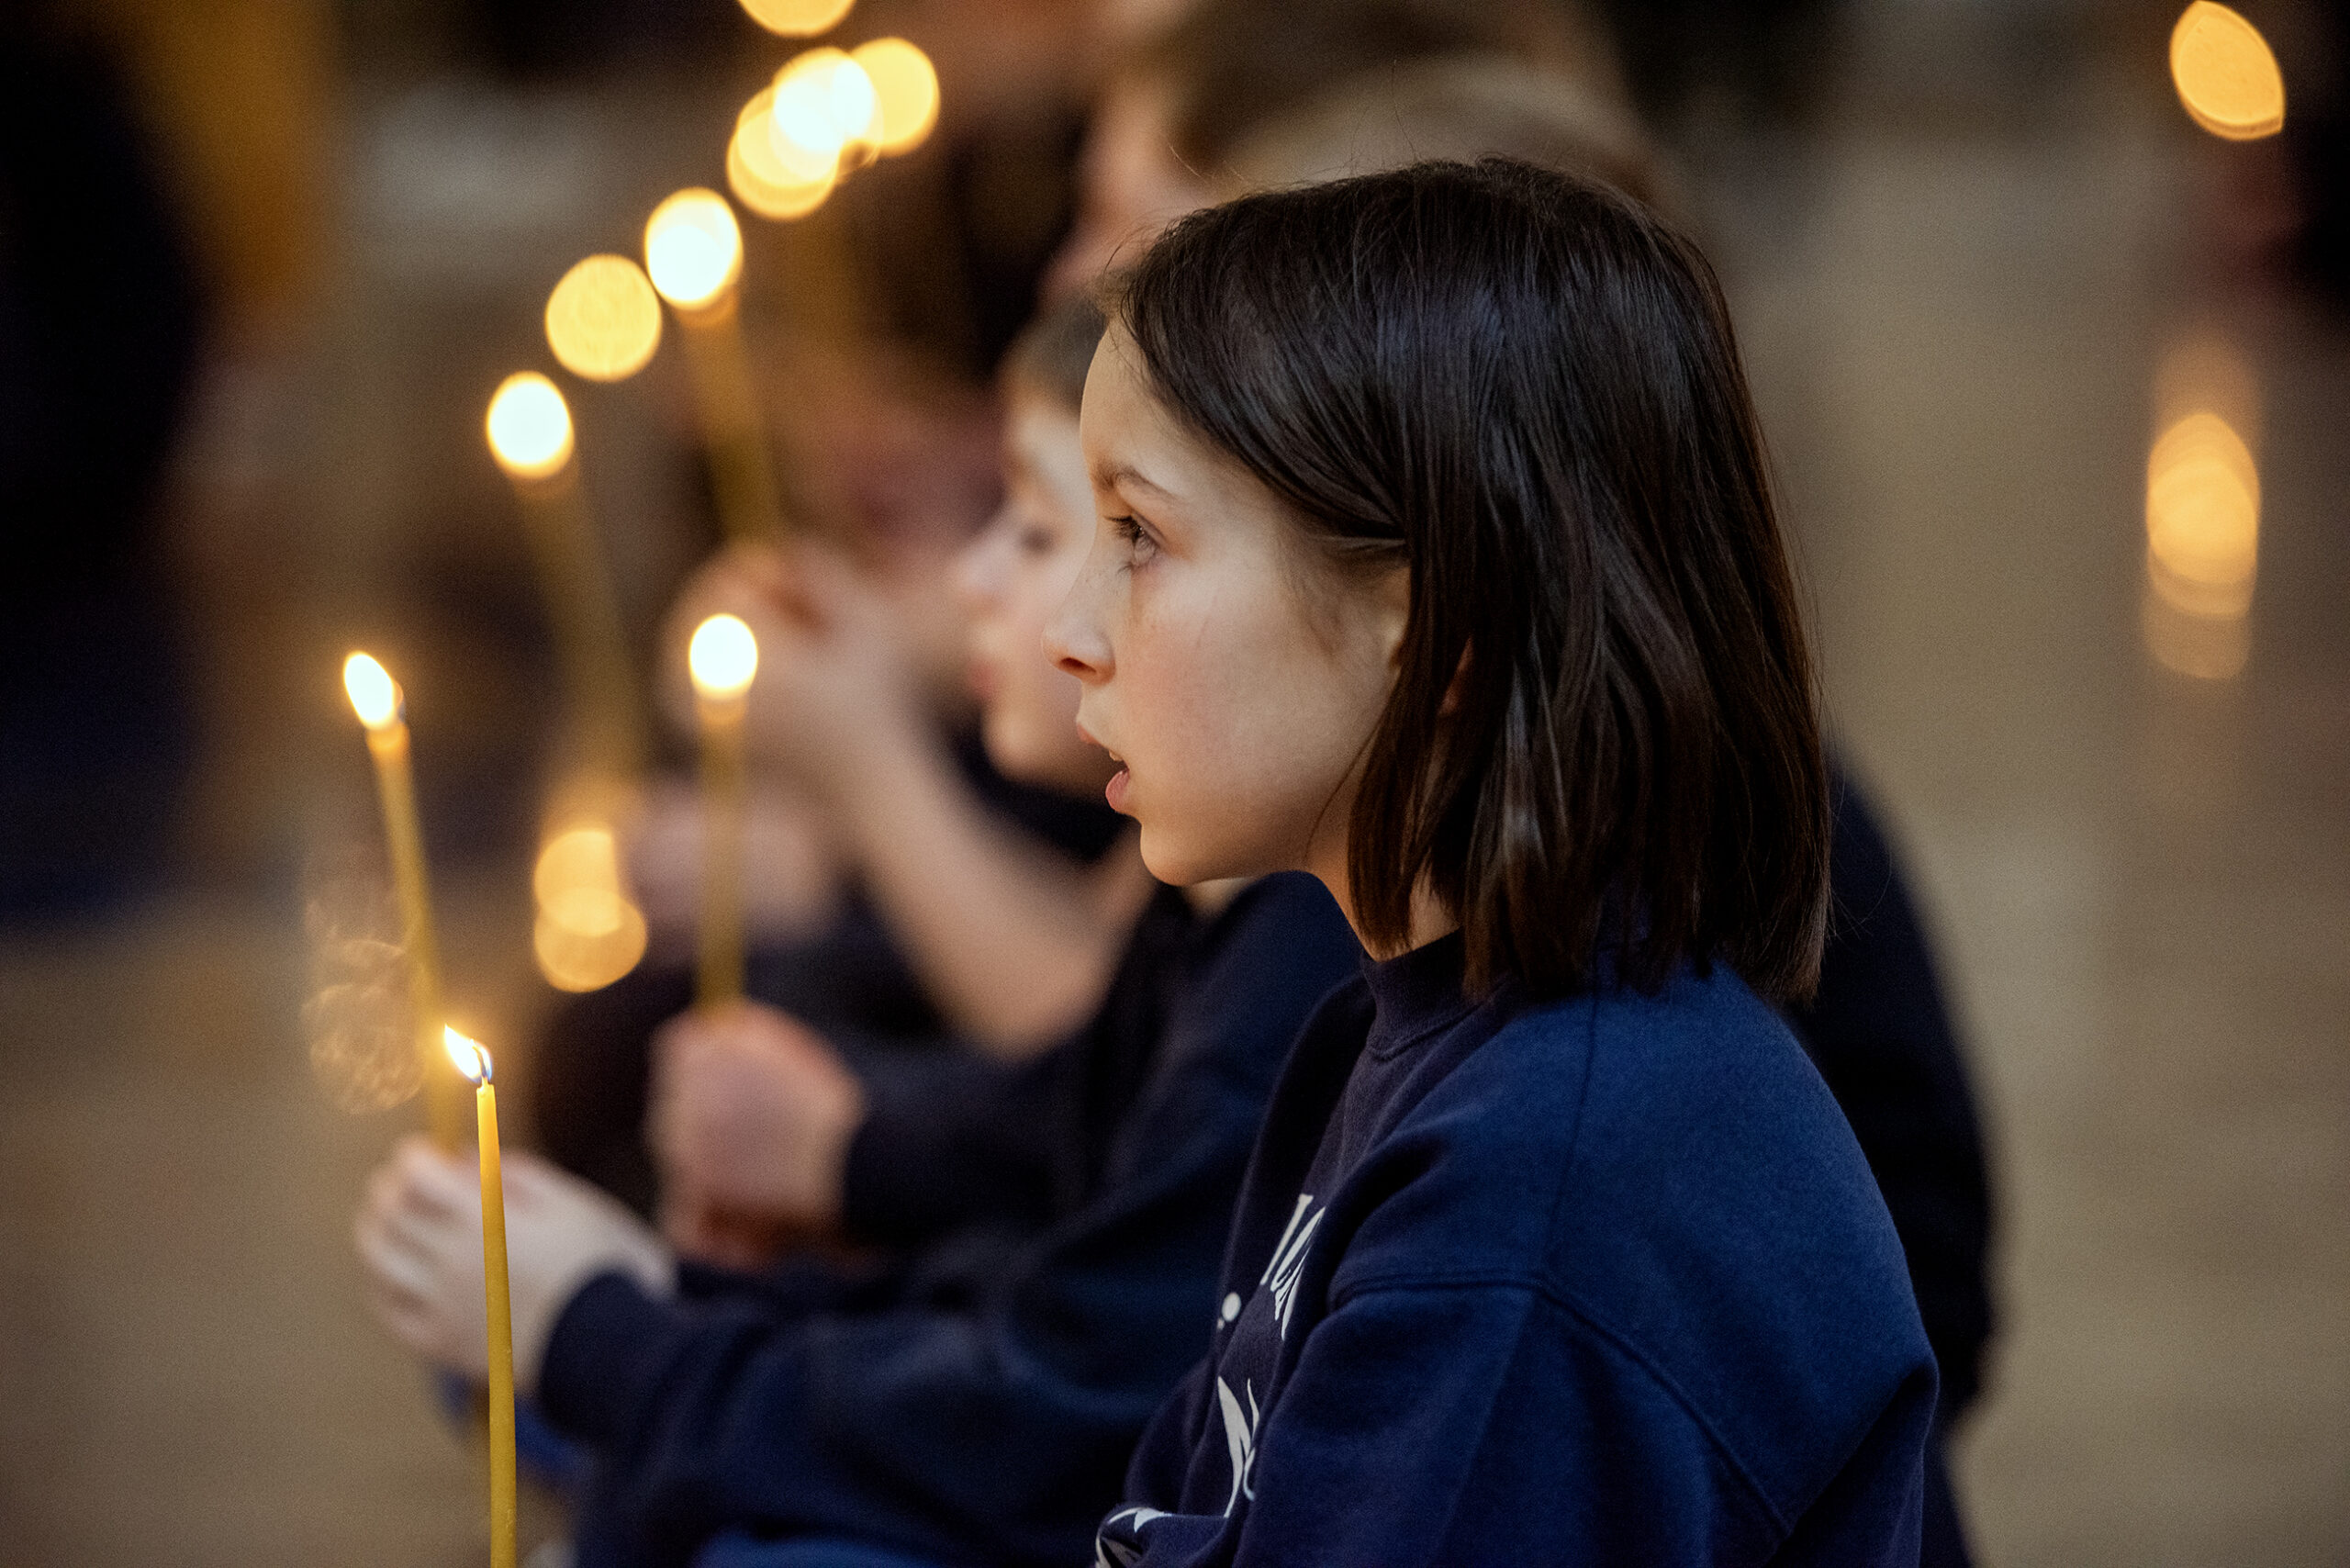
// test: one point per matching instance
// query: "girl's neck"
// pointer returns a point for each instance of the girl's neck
(1431, 919)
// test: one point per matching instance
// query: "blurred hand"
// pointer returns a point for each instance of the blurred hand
(790, 869)
(840, 677)
(752, 1118)
(418, 1231)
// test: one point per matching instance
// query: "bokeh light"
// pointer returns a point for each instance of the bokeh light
(529, 426)
(758, 175)
(693, 248)
(375, 695)
(905, 84)
(588, 932)
(723, 657)
(824, 113)
(2207, 647)
(2203, 516)
(2225, 74)
(797, 18)
(603, 319)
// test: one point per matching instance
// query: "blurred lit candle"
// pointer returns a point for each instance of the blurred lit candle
(473, 1060)
(905, 91)
(589, 934)
(825, 116)
(693, 249)
(723, 658)
(602, 320)
(530, 434)
(375, 697)
(2226, 76)
(797, 18)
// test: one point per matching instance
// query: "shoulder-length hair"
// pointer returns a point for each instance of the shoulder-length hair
(1524, 388)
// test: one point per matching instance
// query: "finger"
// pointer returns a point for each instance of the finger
(414, 1325)
(435, 1181)
(396, 1269)
(431, 1230)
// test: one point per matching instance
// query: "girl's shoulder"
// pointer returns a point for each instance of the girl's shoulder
(1615, 1134)
(1668, 1171)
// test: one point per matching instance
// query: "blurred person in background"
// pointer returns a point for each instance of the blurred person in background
(1051, 1231)
(894, 910)
(101, 317)
(1168, 132)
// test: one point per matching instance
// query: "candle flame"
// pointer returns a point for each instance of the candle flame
(824, 112)
(529, 426)
(723, 657)
(604, 320)
(471, 1057)
(693, 247)
(797, 18)
(758, 175)
(375, 695)
(905, 85)
(2225, 74)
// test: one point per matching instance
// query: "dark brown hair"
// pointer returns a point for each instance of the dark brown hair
(1232, 67)
(1525, 389)
(1053, 352)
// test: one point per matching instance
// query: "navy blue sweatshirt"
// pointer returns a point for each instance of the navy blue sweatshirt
(1599, 1281)
(975, 1403)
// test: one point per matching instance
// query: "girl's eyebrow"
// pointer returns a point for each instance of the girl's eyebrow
(1122, 474)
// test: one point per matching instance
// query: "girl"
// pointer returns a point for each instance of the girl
(1436, 558)
(1049, 1233)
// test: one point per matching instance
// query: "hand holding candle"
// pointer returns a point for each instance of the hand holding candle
(434, 1238)
(723, 657)
(375, 697)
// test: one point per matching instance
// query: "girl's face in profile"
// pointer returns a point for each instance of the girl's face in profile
(1011, 577)
(1237, 677)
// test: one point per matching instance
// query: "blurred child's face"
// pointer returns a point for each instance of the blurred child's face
(1237, 677)
(1130, 184)
(1011, 577)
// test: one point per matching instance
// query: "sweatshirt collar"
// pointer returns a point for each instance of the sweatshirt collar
(1416, 994)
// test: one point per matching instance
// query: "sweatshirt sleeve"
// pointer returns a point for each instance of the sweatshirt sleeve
(1467, 1423)
(949, 1138)
(1883, 1039)
(991, 1428)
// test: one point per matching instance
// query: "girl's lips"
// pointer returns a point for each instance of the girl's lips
(1115, 791)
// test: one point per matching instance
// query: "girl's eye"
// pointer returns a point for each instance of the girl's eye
(1140, 545)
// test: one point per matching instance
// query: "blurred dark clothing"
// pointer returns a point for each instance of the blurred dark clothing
(849, 982)
(1881, 1036)
(975, 1397)
(99, 329)
(956, 1138)
(1878, 1030)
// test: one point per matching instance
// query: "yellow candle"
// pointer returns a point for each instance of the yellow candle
(723, 658)
(531, 436)
(473, 1060)
(693, 249)
(375, 697)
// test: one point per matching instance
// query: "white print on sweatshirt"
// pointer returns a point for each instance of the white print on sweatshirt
(1289, 1258)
